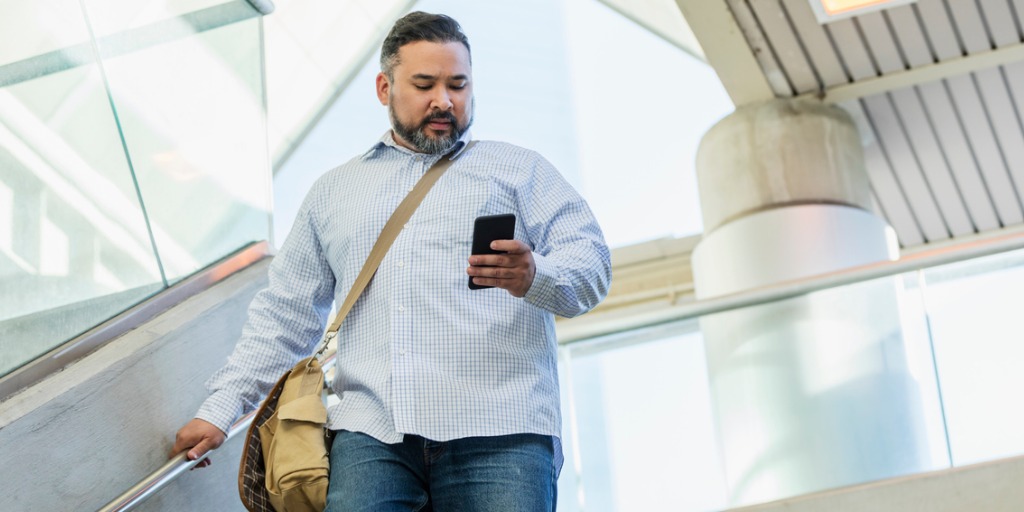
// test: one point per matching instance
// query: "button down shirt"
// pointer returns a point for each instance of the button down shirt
(420, 353)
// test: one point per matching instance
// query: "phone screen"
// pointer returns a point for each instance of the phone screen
(487, 229)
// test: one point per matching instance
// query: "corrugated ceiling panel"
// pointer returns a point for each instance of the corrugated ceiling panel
(1015, 81)
(1003, 115)
(939, 28)
(815, 41)
(1018, 9)
(881, 43)
(930, 157)
(1000, 21)
(887, 191)
(909, 36)
(1014, 76)
(957, 152)
(780, 34)
(851, 49)
(906, 171)
(983, 144)
(970, 26)
(762, 49)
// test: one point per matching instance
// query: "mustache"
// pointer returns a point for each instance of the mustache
(439, 116)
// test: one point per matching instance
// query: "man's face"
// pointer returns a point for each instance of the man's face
(430, 95)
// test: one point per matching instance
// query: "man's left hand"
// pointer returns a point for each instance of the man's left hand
(512, 271)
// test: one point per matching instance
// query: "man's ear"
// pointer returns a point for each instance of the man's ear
(383, 88)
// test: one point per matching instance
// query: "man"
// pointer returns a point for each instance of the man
(448, 396)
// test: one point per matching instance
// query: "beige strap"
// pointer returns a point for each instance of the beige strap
(386, 238)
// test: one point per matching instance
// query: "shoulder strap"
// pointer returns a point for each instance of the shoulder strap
(387, 237)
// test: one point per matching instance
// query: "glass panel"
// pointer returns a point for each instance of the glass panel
(113, 16)
(33, 28)
(639, 425)
(313, 49)
(193, 120)
(74, 249)
(973, 309)
(824, 390)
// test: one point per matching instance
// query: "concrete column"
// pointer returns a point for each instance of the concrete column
(818, 391)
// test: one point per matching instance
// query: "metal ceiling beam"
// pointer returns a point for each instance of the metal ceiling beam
(920, 75)
(727, 50)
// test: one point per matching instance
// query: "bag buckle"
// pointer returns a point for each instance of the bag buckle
(324, 343)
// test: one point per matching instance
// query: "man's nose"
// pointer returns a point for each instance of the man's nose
(442, 101)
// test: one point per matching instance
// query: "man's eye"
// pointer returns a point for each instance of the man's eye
(458, 87)
(422, 87)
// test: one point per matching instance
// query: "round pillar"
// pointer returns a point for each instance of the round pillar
(814, 392)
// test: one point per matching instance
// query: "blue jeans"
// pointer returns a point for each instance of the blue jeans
(499, 474)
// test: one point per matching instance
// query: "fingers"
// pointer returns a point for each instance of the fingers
(513, 251)
(200, 449)
(512, 271)
(510, 246)
(198, 437)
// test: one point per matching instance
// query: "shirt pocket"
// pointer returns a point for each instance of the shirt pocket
(448, 212)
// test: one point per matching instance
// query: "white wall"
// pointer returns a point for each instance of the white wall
(87, 434)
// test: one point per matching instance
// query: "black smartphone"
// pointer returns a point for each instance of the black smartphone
(487, 229)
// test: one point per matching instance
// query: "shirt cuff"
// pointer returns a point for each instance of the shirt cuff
(221, 410)
(545, 282)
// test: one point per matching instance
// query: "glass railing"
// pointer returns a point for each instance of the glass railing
(132, 154)
(930, 357)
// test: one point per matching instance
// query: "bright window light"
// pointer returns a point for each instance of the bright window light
(832, 10)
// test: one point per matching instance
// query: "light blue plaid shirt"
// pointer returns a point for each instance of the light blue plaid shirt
(421, 353)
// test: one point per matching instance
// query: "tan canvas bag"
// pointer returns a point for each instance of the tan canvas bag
(284, 465)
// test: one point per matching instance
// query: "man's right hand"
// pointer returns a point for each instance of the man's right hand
(198, 437)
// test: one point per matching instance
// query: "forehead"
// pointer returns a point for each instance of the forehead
(434, 59)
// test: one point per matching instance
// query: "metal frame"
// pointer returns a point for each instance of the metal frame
(824, 16)
(263, 6)
(131, 40)
(920, 75)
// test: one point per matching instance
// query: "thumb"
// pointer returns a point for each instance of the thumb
(200, 449)
(510, 246)
(205, 444)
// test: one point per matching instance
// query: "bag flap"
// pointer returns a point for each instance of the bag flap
(305, 408)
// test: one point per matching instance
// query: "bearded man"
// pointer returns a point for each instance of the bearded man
(448, 395)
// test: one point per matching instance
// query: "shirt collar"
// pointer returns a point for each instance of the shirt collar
(387, 140)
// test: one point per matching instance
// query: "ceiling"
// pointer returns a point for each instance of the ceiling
(936, 88)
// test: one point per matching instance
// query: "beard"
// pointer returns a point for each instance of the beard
(418, 137)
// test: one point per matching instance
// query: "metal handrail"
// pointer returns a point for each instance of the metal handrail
(180, 463)
(264, 7)
(944, 255)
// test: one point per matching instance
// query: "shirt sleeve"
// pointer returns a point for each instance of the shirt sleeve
(285, 322)
(573, 262)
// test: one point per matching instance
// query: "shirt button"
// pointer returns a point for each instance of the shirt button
(401, 264)
(401, 352)
(401, 309)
